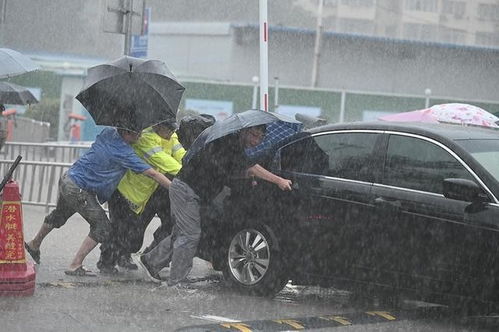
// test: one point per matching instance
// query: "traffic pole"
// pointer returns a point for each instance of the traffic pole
(264, 57)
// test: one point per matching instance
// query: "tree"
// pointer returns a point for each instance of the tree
(46, 110)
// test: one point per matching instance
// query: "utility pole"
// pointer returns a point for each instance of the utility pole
(264, 56)
(317, 46)
(128, 12)
(124, 17)
(3, 16)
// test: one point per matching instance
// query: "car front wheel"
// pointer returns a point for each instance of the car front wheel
(253, 262)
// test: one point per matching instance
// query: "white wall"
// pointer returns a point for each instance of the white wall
(194, 50)
(352, 63)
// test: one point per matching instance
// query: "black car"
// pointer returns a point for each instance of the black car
(407, 207)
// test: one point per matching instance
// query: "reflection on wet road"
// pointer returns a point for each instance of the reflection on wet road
(351, 313)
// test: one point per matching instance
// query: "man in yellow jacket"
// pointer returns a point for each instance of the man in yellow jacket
(137, 198)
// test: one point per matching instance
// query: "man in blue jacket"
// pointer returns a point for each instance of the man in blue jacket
(89, 182)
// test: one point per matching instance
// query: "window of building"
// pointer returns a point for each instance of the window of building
(488, 12)
(353, 25)
(330, 2)
(456, 8)
(487, 38)
(417, 31)
(422, 5)
(417, 164)
(358, 3)
(453, 36)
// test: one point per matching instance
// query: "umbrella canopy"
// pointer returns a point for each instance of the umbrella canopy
(11, 93)
(449, 113)
(234, 123)
(131, 93)
(464, 114)
(413, 116)
(13, 63)
(276, 132)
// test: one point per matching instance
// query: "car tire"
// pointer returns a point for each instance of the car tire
(253, 261)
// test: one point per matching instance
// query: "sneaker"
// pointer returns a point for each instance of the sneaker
(153, 276)
(125, 262)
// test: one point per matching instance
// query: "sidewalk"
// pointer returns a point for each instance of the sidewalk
(61, 244)
(123, 302)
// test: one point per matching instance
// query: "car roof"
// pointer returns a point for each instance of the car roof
(435, 130)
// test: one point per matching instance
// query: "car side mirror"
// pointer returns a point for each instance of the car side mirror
(463, 190)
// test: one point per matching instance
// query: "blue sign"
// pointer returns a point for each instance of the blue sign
(138, 46)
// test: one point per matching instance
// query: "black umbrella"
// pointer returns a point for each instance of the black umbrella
(13, 63)
(11, 93)
(232, 124)
(131, 93)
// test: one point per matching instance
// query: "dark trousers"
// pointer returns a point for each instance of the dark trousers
(158, 204)
(127, 228)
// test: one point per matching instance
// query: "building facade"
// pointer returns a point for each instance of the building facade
(462, 22)
(405, 52)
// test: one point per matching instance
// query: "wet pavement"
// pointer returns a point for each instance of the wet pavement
(128, 302)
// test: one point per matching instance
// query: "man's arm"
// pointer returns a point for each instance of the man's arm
(262, 173)
(158, 177)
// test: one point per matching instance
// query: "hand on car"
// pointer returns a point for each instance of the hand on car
(285, 184)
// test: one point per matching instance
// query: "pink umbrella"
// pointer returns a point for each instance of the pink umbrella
(413, 116)
(451, 113)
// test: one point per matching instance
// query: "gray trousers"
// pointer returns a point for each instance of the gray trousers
(181, 246)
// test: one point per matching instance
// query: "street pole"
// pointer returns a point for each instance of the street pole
(255, 80)
(427, 93)
(2, 23)
(317, 46)
(264, 57)
(276, 99)
(128, 26)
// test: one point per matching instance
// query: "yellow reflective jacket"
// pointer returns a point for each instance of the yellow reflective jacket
(165, 156)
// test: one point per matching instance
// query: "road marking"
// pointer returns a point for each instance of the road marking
(291, 322)
(338, 319)
(216, 318)
(384, 314)
(316, 322)
(238, 326)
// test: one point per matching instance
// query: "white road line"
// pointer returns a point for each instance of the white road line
(216, 318)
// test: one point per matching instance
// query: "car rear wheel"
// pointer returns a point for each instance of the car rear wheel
(253, 262)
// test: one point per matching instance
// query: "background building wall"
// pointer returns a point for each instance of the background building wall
(346, 62)
(59, 26)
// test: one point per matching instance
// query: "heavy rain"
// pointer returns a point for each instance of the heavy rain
(249, 165)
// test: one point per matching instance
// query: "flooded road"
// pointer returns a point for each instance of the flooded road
(127, 302)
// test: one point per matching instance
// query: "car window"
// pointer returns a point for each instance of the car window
(421, 165)
(344, 155)
(485, 152)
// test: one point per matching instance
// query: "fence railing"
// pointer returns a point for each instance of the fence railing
(40, 169)
(49, 152)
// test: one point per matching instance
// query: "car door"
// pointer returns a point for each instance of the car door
(424, 237)
(332, 174)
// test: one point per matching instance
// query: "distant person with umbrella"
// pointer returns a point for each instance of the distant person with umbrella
(217, 154)
(11, 93)
(89, 182)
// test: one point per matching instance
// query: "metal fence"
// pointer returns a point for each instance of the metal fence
(40, 169)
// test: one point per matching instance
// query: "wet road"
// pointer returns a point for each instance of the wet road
(127, 302)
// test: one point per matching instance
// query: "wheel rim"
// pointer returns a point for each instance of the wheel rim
(249, 256)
